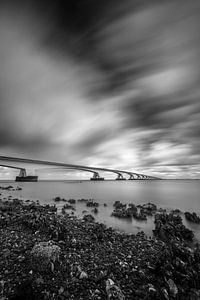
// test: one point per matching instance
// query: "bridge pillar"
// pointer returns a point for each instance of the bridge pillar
(131, 177)
(23, 177)
(22, 173)
(96, 177)
(120, 177)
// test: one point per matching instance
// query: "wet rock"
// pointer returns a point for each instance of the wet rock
(57, 199)
(18, 189)
(176, 211)
(92, 204)
(192, 217)
(68, 206)
(83, 200)
(95, 210)
(121, 213)
(148, 209)
(140, 216)
(132, 207)
(170, 226)
(72, 201)
(88, 218)
(119, 205)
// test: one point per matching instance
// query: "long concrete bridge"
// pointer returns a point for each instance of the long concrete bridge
(95, 170)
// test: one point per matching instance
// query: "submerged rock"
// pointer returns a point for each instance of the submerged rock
(95, 210)
(192, 217)
(169, 227)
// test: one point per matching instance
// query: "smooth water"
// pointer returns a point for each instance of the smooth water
(169, 194)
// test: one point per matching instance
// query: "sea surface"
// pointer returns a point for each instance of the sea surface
(168, 194)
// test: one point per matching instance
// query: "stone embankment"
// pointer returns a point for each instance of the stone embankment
(45, 255)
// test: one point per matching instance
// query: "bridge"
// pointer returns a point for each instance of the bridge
(95, 170)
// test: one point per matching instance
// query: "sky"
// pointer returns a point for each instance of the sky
(105, 83)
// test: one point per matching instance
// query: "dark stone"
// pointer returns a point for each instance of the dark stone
(192, 217)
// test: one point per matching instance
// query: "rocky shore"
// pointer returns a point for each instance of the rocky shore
(46, 255)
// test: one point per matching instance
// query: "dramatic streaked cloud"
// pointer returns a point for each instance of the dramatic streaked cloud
(112, 84)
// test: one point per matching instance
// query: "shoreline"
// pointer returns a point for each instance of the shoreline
(91, 256)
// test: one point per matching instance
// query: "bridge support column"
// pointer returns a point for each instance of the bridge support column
(22, 173)
(120, 177)
(96, 177)
(23, 177)
(131, 177)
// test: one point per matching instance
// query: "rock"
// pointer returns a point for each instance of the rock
(170, 226)
(152, 289)
(57, 199)
(173, 290)
(88, 218)
(61, 290)
(148, 209)
(194, 294)
(72, 201)
(119, 205)
(113, 291)
(68, 206)
(192, 217)
(83, 200)
(164, 294)
(91, 203)
(44, 255)
(83, 275)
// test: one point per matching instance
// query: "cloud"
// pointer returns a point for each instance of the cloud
(106, 83)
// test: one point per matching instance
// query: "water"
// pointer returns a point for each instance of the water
(168, 194)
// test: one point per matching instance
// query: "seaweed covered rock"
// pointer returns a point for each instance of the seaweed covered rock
(88, 218)
(91, 203)
(122, 211)
(72, 201)
(169, 227)
(148, 209)
(44, 255)
(119, 205)
(192, 217)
